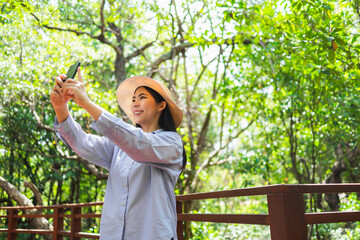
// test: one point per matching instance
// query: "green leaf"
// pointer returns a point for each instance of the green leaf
(350, 66)
(269, 11)
(340, 41)
(331, 55)
(323, 29)
(337, 30)
(354, 38)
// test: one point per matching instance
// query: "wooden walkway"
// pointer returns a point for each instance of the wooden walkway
(286, 212)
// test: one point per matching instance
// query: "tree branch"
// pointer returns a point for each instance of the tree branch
(102, 18)
(85, 16)
(99, 174)
(204, 67)
(167, 56)
(91, 168)
(100, 37)
(188, 115)
(22, 200)
(35, 190)
(14, 194)
(215, 153)
(139, 51)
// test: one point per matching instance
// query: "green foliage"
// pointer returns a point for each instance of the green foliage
(30, 150)
(269, 90)
(208, 231)
(305, 82)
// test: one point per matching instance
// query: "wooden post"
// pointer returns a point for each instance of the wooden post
(180, 224)
(58, 223)
(12, 224)
(75, 223)
(287, 216)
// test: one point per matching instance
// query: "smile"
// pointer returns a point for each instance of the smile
(136, 113)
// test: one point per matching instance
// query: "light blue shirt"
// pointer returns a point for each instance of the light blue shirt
(143, 169)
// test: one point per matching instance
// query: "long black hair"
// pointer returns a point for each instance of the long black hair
(166, 121)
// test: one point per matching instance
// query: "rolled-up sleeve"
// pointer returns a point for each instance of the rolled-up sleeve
(96, 149)
(159, 147)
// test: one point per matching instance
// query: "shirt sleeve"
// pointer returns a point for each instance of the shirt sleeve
(96, 149)
(157, 148)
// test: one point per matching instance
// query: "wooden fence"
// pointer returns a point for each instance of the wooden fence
(286, 212)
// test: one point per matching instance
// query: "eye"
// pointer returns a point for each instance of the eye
(142, 97)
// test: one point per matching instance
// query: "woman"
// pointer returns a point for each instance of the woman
(144, 162)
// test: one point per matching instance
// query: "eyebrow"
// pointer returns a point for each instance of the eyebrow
(141, 94)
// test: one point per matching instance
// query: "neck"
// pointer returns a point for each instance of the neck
(150, 127)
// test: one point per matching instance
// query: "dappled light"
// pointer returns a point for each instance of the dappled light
(269, 92)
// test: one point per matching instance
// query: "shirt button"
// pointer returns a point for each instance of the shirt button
(125, 185)
(123, 204)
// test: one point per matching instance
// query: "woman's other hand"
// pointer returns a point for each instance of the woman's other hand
(59, 100)
(57, 97)
(75, 90)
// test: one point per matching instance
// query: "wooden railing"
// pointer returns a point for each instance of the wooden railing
(73, 212)
(286, 212)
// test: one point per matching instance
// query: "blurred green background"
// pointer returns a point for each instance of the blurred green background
(269, 91)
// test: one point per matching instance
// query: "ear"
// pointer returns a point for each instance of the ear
(162, 106)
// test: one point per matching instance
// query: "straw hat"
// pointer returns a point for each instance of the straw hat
(126, 90)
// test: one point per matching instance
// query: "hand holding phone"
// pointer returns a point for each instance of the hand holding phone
(72, 71)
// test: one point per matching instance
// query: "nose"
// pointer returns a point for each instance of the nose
(135, 103)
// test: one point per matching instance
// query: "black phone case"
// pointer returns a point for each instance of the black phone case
(71, 73)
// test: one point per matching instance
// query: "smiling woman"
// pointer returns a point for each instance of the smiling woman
(146, 110)
(144, 162)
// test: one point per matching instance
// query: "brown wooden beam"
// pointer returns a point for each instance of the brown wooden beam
(12, 224)
(332, 217)
(180, 224)
(75, 223)
(260, 219)
(279, 188)
(58, 224)
(287, 216)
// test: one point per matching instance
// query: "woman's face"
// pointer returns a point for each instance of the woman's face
(146, 110)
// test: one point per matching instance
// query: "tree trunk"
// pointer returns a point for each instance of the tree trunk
(340, 166)
(22, 200)
(120, 72)
(333, 198)
(187, 225)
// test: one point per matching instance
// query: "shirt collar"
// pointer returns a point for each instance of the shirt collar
(157, 131)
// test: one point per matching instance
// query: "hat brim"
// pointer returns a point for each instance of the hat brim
(126, 90)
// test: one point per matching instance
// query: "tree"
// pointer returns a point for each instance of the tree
(307, 56)
(22, 200)
(268, 89)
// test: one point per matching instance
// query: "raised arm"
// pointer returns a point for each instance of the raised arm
(159, 147)
(93, 148)
(75, 90)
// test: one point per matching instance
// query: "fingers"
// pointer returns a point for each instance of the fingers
(70, 87)
(57, 87)
(79, 75)
(70, 80)
(57, 95)
(63, 76)
(58, 82)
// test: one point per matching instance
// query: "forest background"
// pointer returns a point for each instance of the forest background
(269, 91)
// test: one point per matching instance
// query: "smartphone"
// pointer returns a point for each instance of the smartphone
(72, 71)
